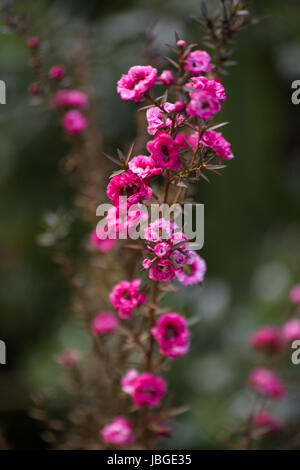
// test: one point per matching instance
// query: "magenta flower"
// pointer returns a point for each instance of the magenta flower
(57, 72)
(291, 330)
(125, 297)
(203, 104)
(163, 271)
(144, 166)
(74, 122)
(172, 334)
(265, 420)
(128, 381)
(149, 390)
(136, 82)
(165, 151)
(71, 99)
(267, 339)
(295, 294)
(198, 62)
(218, 144)
(267, 383)
(34, 88)
(128, 185)
(101, 241)
(166, 77)
(193, 271)
(213, 86)
(104, 323)
(157, 119)
(118, 432)
(33, 42)
(162, 250)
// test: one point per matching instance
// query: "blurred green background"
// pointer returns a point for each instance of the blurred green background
(252, 223)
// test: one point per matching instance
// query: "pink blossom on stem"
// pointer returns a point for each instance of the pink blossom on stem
(163, 271)
(144, 166)
(267, 339)
(198, 62)
(57, 72)
(164, 150)
(128, 381)
(160, 230)
(203, 104)
(128, 185)
(295, 294)
(125, 297)
(172, 334)
(193, 271)
(118, 432)
(264, 419)
(104, 323)
(74, 122)
(158, 120)
(71, 99)
(218, 144)
(136, 82)
(162, 250)
(267, 383)
(102, 243)
(166, 77)
(213, 86)
(149, 390)
(34, 88)
(181, 43)
(33, 42)
(291, 330)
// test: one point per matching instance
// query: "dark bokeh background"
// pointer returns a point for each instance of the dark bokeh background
(252, 229)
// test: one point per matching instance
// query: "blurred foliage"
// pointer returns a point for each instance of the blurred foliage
(252, 224)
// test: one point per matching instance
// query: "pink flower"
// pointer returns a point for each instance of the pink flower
(218, 144)
(162, 250)
(267, 383)
(193, 271)
(267, 339)
(203, 104)
(69, 358)
(71, 99)
(295, 294)
(172, 334)
(74, 122)
(198, 62)
(104, 323)
(104, 244)
(137, 82)
(163, 271)
(33, 42)
(149, 390)
(157, 120)
(181, 43)
(125, 297)
(128, 381)
(164, 151)
(291, 330)
(166, 77)
(118, 432)
(128, 185)
(34, 88)
(144, 166)
(264, 419)
(147, 263)
(213, 86)
(57, 72)
(159, 230)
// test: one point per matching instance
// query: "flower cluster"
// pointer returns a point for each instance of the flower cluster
(273, 342)
(182, 145)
